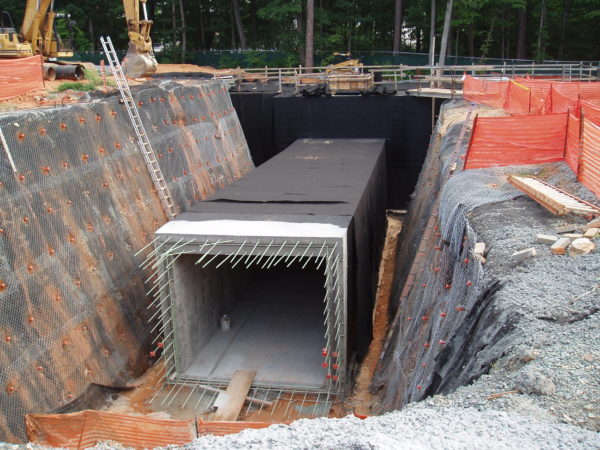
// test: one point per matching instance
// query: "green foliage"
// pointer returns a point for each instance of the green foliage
(75, 86)
(92, 81)
(228, 62)
(570, 31)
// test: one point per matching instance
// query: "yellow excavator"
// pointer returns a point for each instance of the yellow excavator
(38, 36)
(140, 58)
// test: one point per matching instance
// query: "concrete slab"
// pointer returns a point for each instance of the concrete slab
(276, 329)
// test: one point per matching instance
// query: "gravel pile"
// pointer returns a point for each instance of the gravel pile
(414, 428)
(552, 356)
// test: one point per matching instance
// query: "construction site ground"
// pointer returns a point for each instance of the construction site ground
(543, 388)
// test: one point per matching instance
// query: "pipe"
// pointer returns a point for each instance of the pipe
(69, 72)
(49, 72)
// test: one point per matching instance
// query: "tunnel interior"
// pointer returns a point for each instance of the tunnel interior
(276, 324)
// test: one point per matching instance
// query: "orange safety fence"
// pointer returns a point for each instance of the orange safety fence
(518, 99)
(589, 167)
(20, 76)
(546, 95)
(487, 92)
(572, 147)
(85, 428)
(589, 90)
(591, 111)
(540, 94)
(228, 427)
(505, 141)
(564, 99)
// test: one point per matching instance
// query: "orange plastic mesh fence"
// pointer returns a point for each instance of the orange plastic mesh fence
(518, 99)
(85, 428)
(487, 92)
(546, 96)
(591, 111)
(505, 141)
(20, 76)
(589, 170)
(540, 94)
(572, 147)
(564, 99)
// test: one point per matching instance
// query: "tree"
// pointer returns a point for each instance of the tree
(183, 31)
(238, 23)
(432, 34)
(445, 33)
(310, 33)
(397, 25)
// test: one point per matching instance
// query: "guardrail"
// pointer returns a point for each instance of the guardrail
(302, 76)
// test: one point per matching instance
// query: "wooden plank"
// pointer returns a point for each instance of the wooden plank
(230, 403)
(555, 200)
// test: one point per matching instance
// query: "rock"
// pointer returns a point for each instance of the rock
(593, 224)
(568, 228)
(560, 246)
(479, 251)
(535, 382)
(522, 255)
(573, 235)
(581, 246)
(522, 355)
(545, 239)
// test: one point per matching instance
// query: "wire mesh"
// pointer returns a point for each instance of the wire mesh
(73, 216)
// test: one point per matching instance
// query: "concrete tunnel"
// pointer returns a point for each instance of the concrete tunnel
(289, 254)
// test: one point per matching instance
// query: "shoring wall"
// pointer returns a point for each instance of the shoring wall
(437, 298)
(20, 76)
(81, 204)
(551, 121)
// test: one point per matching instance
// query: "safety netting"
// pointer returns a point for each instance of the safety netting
(549, 121)
(20, 76)
(78, 210)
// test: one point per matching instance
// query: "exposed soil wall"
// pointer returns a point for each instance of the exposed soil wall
(515, 335)
(439, 290)
(79, 207)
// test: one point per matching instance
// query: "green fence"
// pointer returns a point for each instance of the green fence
(275, 58)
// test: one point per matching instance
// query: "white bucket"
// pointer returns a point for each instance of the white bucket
(225, 321)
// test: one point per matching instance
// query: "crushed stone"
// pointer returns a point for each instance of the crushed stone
(417, 427)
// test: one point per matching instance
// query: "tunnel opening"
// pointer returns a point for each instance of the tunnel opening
(275, 327)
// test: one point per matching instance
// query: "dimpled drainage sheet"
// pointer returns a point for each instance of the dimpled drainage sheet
(289, 254)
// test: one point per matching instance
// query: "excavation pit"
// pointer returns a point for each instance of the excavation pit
(289, 253)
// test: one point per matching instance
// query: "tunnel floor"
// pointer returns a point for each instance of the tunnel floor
(276, 329)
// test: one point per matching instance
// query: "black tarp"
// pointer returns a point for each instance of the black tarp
(338, 181)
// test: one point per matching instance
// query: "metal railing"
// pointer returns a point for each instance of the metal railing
(301, 76)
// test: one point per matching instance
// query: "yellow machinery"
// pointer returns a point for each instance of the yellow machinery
(12, 44)
(38, 36)
(347, 77)
(140, 58)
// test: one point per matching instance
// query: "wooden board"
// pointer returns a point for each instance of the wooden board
(230, 403)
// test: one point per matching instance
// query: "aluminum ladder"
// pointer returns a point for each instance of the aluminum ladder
(143, 141)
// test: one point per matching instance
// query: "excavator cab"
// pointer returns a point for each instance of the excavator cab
(12, 44)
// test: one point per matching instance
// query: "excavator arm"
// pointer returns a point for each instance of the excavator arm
(140, 58)
(38, 29)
